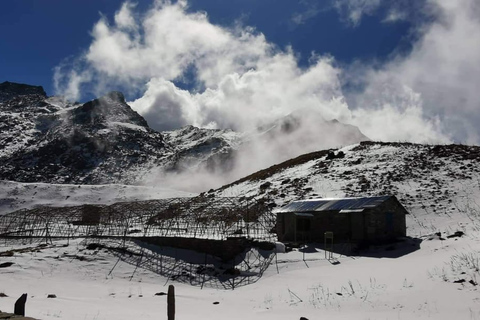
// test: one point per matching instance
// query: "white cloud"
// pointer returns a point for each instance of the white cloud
(312, 9)
(353, 10)
(390, 11)
(68, 80)
(249, 100)
(124, 17)
(397, 115)
(247, 81)
(242, 81)
(395, 15)
(165, 106)
(442, 68)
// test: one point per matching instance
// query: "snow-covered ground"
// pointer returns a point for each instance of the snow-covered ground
(92, 284)
(429, 276)
(18, 195)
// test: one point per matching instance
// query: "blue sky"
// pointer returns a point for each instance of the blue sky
(39, 35)
(402, 70)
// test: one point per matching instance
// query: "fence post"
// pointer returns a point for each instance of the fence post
(171, 303)
(19, 308)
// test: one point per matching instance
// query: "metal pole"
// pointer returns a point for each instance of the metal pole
(171, 302)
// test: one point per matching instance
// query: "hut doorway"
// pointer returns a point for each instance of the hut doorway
(303, 225)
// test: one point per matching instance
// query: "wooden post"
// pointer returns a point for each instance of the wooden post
(171, 303)
(19, 309)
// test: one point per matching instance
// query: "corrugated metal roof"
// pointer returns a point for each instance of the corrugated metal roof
(329, 204)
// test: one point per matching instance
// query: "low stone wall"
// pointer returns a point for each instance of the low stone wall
(224, 249)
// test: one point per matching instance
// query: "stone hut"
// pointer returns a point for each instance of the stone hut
(351, 220)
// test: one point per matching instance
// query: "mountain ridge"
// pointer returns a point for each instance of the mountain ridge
(48, 139)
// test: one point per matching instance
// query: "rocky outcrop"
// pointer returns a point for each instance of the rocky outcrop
(9, 90)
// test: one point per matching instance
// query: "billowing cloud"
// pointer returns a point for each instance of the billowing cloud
(243, 82)
(166, 41)
(164, 105)
(258, 96)
(397, 115)
(442, 69)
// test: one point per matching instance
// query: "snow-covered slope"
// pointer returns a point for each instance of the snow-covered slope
(22, 195)
(432, 182)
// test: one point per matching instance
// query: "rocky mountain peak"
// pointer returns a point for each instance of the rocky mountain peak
(50, 140)
(9, 90)
(112, 107)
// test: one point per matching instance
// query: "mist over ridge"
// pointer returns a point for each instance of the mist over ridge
(48, 139)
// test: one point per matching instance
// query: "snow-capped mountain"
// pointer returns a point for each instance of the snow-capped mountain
(48, 139)
(102, 141)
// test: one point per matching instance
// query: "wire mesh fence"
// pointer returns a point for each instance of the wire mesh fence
(132, 231)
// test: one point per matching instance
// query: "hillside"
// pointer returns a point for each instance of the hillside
(433, 182)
